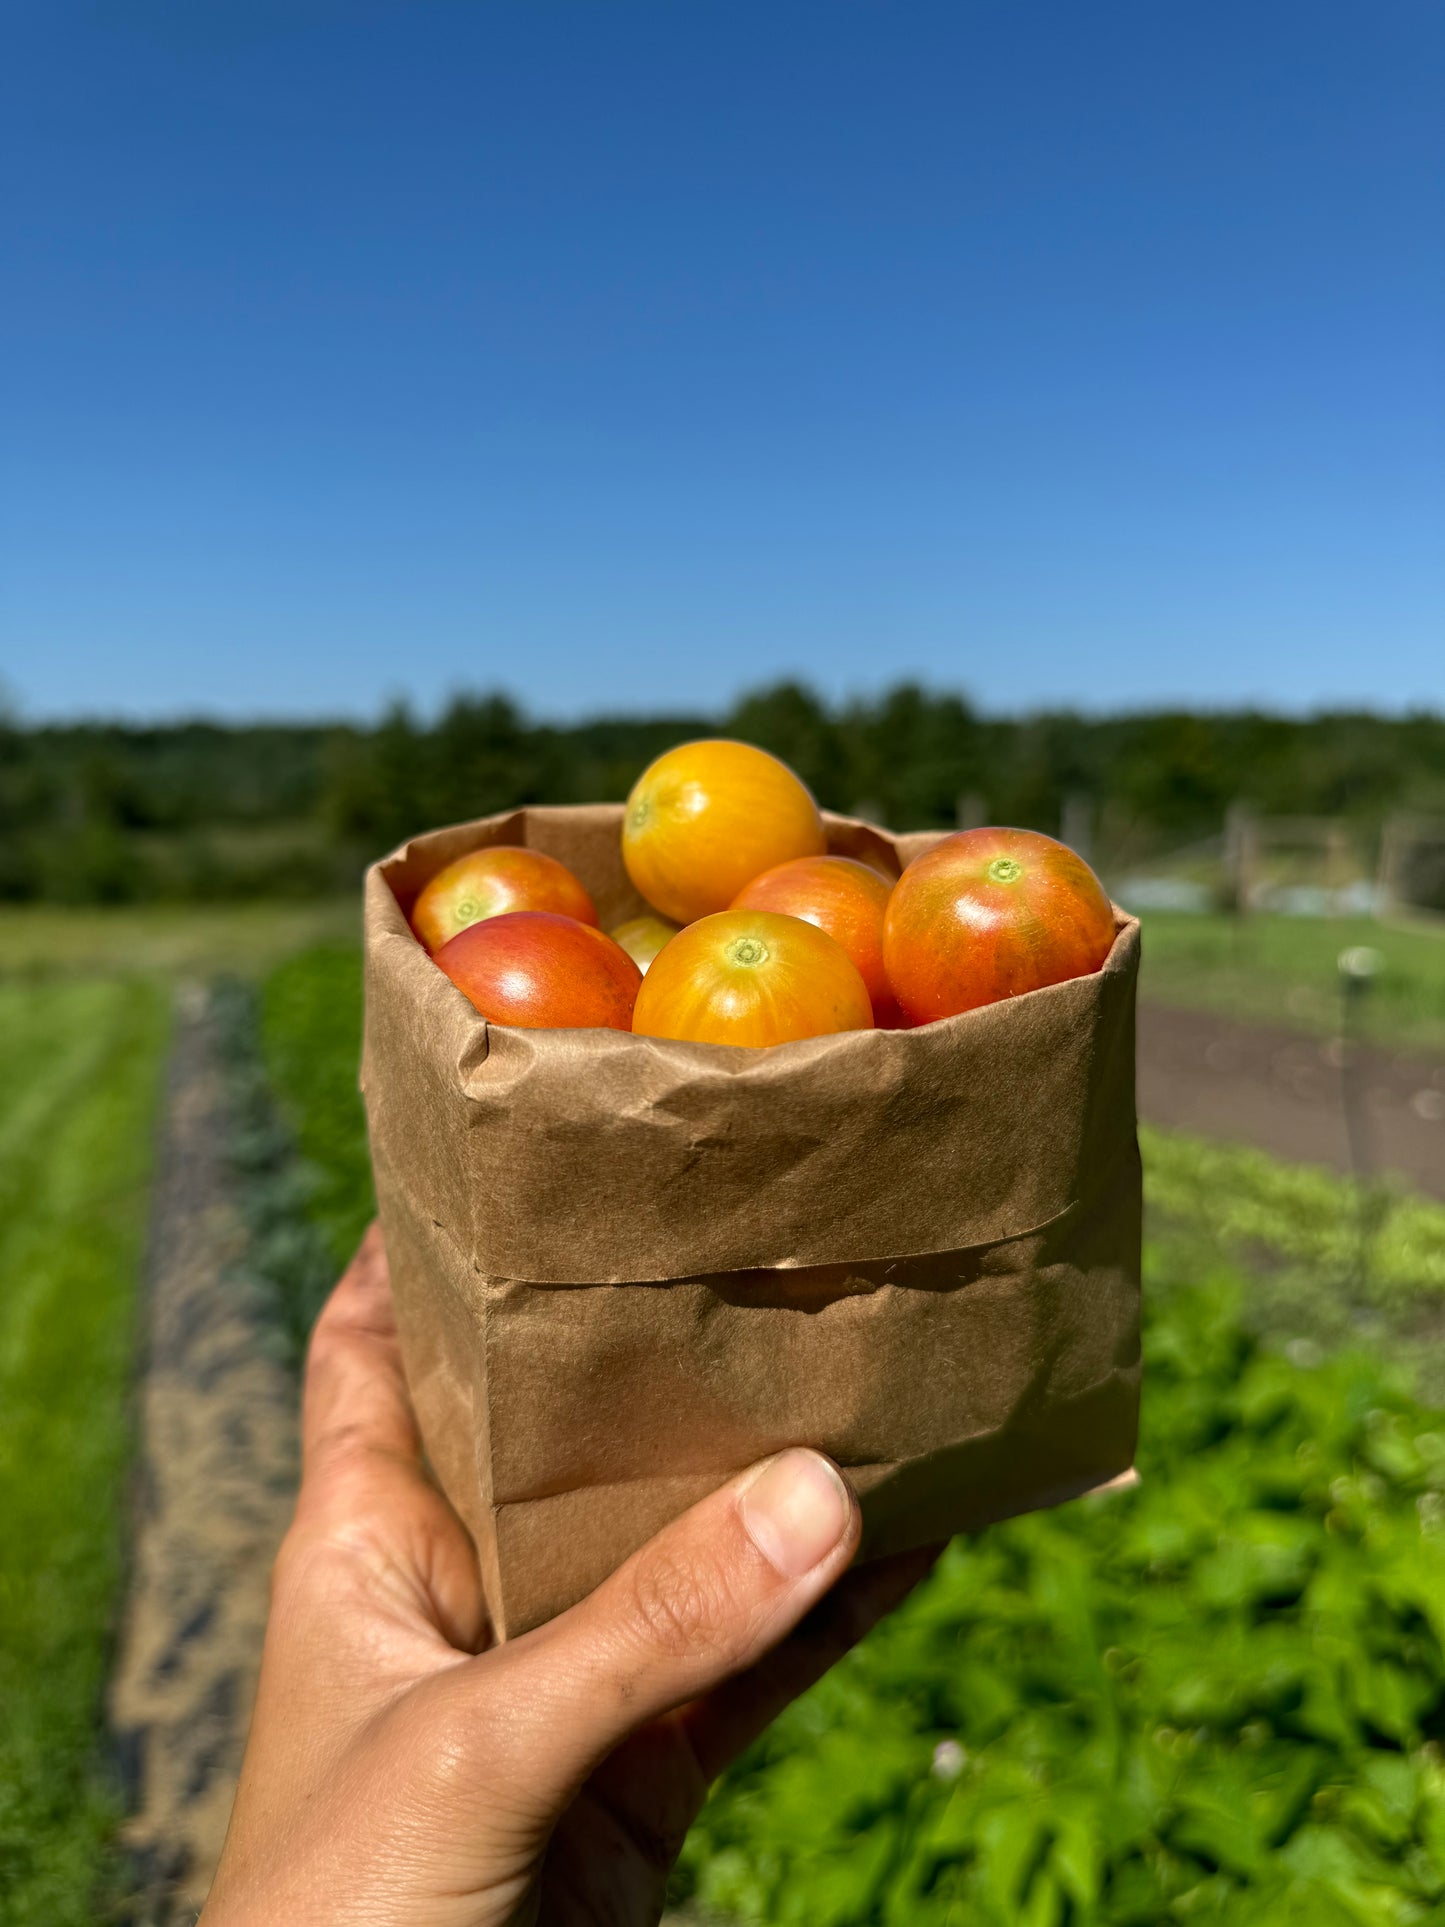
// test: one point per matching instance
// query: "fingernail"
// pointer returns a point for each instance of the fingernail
(796, 1510)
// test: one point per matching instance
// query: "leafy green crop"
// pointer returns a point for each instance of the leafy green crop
(1300, 1213)
(1214, 1699)
(311, 1039)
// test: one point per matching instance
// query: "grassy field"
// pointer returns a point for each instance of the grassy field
(39, 942)
(1284, 970)
(79, 1077)
(1215, 1700)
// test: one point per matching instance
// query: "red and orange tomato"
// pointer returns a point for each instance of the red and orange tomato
(842, 896)
(542, 972)
(988, 914)
(706, 818)
(751, 977)
(492, 882)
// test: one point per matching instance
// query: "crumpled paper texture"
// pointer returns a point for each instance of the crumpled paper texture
(626, 1267)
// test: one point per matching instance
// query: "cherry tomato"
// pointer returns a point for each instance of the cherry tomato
(751, 977)
(842, 896)
(989, 914)
(542, 972)
(489, 883)
(706, 818)
(643, 937)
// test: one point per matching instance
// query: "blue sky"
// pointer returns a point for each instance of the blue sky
(626, 355)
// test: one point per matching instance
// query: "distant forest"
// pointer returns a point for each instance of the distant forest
(106, 812)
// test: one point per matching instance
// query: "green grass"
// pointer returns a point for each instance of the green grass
(79, 1079)
(42, 941)
(1284, 970)
(1220, 1699)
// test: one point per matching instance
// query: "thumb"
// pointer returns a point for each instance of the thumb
(703, 1600)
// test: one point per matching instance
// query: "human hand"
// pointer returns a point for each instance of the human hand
(400, 1770)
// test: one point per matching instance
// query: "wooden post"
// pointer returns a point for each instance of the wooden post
(1076, 824)
(1337, 862)
(1390, 871)
(972, 810)
(1241, 857)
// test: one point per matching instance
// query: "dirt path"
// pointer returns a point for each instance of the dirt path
(213, 1495)
(1284, 1093)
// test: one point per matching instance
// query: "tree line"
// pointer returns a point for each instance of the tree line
(108, 812)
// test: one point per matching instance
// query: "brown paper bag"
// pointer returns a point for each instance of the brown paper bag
(626, 1268)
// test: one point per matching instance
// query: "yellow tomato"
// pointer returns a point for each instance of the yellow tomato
(751, 977)
(706, 818)
(643, 937)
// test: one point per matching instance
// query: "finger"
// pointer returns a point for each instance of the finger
(733, 1715)
(702, 1601)
(355, 1403)
(363, 1483)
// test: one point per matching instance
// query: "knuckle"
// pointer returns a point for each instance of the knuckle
(686, 1608)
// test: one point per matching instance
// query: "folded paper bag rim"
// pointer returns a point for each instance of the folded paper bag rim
(597, 1156)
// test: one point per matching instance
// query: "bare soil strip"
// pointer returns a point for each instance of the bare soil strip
(213, 1495)
(1285, 1093)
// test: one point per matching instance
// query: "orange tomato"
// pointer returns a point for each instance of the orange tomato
(706, 818)
(542, 972)
(842, 896)
(489, 883)
(751, 977)
(643, 937)
(989, 914)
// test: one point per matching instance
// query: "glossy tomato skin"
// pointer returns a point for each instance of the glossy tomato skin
(643, 937)
(492, 882)
(542, 972)
(751, 977)
(844, 897)
(989, 914)
(708, 817)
